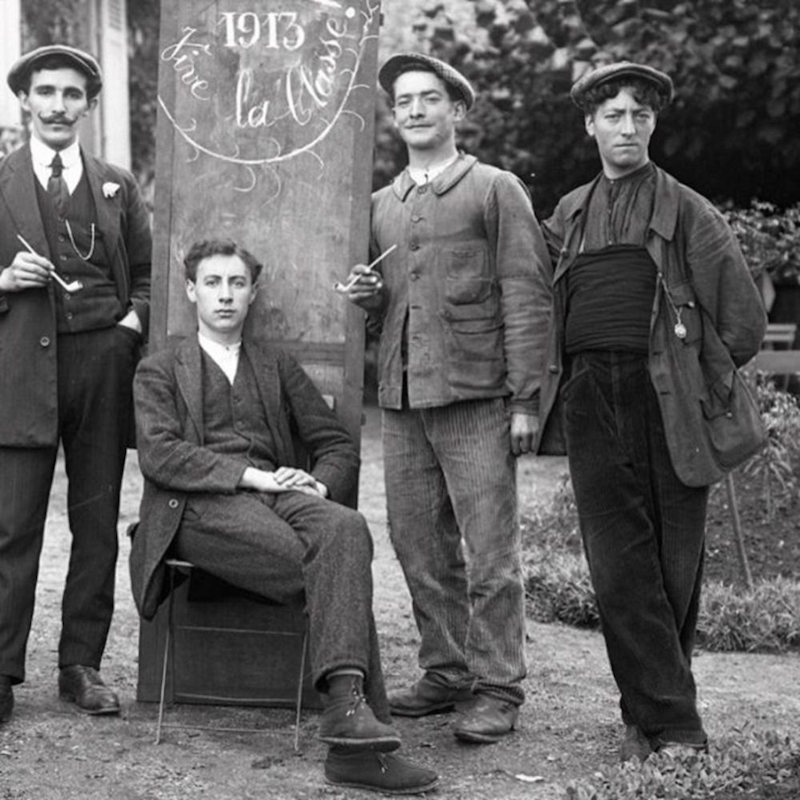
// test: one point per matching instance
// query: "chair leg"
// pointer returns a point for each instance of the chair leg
(299, 706)
(166, 659)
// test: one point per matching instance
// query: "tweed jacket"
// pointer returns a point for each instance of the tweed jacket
(29, 389)
(169, 419)
(702, 275)
(467, 287)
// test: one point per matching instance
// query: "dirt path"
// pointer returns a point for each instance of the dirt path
(570, 726)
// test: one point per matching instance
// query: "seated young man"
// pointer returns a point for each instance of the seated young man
(216, 417)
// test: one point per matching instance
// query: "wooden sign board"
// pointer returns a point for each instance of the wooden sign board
(265, 135)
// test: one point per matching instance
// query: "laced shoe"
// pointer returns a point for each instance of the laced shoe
(378, 772)
(348, 721)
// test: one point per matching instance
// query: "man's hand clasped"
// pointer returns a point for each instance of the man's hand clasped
(283, 479)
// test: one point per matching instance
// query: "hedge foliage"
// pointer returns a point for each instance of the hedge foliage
(730, 133)
(745, 764)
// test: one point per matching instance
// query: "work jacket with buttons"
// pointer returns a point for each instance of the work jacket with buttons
(701, 275)
(466, 286)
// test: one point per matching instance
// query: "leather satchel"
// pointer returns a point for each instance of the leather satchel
(732, 421)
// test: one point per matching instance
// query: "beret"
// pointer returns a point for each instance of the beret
(622, 69)
(405, 62)
(82, 61)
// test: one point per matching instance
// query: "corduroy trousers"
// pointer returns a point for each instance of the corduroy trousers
(451, 494)
(643, 532)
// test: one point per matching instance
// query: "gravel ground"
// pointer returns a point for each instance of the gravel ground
(569, 724)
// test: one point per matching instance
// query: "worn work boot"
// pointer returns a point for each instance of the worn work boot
(348, 722)
(635, 745)
(377, 772)
(486, 721)
(84, 687)
(428, 696)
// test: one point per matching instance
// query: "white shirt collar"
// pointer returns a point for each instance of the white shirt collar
(422, 175)
(42, 157)
(225, 356)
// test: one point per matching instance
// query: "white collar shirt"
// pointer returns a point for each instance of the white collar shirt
(225, 356)
(42, 157)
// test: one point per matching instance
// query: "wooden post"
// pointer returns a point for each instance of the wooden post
(265, 135)
(738, 535)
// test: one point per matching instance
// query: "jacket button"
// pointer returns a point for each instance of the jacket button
(553, 368)
(173, 503)
(45, 341)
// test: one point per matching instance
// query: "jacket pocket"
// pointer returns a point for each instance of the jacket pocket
(474, 341)
(467, 279)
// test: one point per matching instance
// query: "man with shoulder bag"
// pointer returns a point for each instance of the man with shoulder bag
(655, 310)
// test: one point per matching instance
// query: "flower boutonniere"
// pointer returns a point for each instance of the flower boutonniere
(110, 189)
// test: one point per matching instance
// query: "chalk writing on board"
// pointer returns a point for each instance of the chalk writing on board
(257, 88)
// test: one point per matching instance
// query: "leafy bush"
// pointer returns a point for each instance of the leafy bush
(559, 589)
(764, 620)
(737, 766)
(775, 465)
(769, 238)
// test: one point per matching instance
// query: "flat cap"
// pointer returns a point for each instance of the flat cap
(593, 78)
(82, 61)
(407, 62)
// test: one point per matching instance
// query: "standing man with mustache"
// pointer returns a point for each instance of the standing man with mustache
(461, 303)
(67, 361)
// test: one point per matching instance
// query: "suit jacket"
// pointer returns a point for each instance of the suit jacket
(29, 388)
(174, 461)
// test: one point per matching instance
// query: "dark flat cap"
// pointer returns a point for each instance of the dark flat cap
(622, 69)
(406, 62)
(80, 60)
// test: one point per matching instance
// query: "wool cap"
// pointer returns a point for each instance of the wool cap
(622, 69)
(405, 62)
(82, 61)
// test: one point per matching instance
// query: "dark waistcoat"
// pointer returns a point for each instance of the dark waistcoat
(234, 420)
(78, 252)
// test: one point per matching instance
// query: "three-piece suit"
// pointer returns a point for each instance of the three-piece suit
(67, 370)
(197, 433)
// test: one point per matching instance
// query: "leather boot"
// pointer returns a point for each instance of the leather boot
(487, 720)
(428, 695)
(348, 722)
(378, 772)
(84, 687)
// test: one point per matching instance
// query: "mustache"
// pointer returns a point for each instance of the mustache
(61, 119)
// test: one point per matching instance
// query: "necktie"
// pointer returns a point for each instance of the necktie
(57, 186)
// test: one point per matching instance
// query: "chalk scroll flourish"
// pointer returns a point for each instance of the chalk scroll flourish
(260, 87)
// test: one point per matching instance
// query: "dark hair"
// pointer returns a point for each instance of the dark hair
(644, 92)
(218, 247)
(59, 61)
(453, 93)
